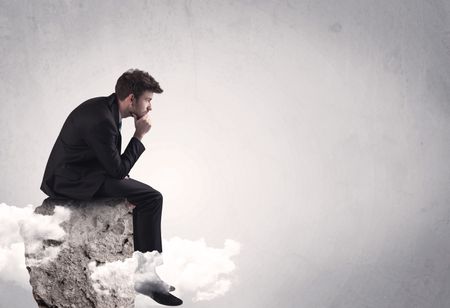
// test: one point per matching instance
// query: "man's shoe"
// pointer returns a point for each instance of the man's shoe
(158, 294)
(165, 298)
(171, 288)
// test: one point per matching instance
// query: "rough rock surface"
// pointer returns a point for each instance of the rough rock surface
(99, 230)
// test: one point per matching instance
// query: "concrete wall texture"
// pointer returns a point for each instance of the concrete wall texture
(316, 133)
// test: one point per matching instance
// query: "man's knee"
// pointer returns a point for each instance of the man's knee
(156, 196)
(156, 193)
(160, 198)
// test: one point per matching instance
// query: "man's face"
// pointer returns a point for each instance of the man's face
(143, 105)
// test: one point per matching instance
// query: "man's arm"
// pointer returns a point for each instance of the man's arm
(102, 139)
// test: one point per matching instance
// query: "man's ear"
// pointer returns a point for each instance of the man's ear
(131, 99)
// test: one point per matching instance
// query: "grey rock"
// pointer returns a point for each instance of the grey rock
(99, 230)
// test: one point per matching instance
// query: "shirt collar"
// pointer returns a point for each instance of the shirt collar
(114, 105)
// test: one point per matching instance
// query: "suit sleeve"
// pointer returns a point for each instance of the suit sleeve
(102, 139)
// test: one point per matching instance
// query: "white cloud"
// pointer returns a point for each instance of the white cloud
(34, 228)
(121, 275)
(19, 223)
(196, 270)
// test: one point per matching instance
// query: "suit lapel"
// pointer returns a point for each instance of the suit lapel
(119, 143)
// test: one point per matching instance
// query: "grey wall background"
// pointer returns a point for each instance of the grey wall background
(316, 133)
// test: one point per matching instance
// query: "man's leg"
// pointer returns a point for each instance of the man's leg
(146, 214)
(146, 225)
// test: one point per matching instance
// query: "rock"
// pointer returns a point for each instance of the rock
(60, 268)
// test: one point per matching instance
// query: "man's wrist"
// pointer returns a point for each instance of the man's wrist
(138, 136)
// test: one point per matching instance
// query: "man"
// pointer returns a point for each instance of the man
(86, 163)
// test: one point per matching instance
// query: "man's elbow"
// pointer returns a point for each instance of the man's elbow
(117, 173)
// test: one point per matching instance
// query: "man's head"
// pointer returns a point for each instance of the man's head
(134, 90)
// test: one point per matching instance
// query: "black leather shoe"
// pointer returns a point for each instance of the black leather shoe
(165, 298)
(171, 288)
(158, 294)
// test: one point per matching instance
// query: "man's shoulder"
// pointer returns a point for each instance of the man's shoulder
(96, 107)
(99, 102)
(91, 111)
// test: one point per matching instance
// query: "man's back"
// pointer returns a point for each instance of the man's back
(87, 150)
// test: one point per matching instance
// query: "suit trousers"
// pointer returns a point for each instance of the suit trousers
(146, 214)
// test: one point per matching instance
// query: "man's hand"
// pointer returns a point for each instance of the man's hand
(142, 126)
(129, 205)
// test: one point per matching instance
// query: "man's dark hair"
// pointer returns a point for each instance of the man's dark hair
(136, 81)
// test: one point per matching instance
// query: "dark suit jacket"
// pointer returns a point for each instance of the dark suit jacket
(87, 150)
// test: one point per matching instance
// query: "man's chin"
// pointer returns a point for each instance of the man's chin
(137, 116)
